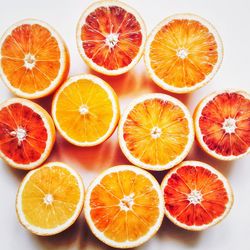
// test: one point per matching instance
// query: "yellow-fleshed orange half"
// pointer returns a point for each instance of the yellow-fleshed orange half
(156, 132)
(196, 195)
(85, 110)
(222, 124)
(183, 53)
(111, 37)
(50, 199)
(27, 133)
(124, 206)
(34, 59)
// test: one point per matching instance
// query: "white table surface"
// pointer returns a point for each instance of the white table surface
(232, 19)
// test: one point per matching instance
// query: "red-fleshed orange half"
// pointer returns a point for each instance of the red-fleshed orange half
(34, 59)
(27, 133)
(111, 37)
(196, 195)
(222, 124)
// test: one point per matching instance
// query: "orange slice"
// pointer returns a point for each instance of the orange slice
(50, 199)
(85, 110)
(156, 132)
(222, 124)
(124, 206)
(27, 133)
(34, 59)
(183, 53)
(196, 195)
(111, 37)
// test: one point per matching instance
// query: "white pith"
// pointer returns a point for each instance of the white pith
(195, 197)
(156, 132)
(221, 177)
(50, 131)
(59, 228)
(122, 142)
(127, 202)
(93, 65)
(208, 78)
(48, 199)
(29, 58)
(100, 235)
(20, 134)
(112, 39)
(182, 53)
(229, 125)
(112, 96)
(198, 133)
(83, 109)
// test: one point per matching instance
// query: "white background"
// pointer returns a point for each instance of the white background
(232, 19)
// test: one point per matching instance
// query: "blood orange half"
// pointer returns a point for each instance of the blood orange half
(27, 133)
(183, 53)
(196, 195)
(222, 124)
(34, 59)
(111, 37)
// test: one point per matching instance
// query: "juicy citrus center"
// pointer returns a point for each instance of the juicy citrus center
(112, 40)
(48, 199)
(195, 197)
(182, 53)
(229, 125)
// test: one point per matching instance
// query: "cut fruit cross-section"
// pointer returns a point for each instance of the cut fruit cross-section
(34, 59)
(222, 124)
(85, 110)
(196, 195)
(111, 37)
(124, 206)
(183, 53)
(27, 133)
(50, 199)
(156, 132)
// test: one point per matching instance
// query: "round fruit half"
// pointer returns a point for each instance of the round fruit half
(27, 133)
(34, 59)
(183, 53)
(124, 206)
(156, 132)
(85, 110)
(197, 196)
(111, 37)
(50, 199)
(222, 124)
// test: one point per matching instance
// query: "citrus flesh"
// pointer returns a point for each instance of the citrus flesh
(222, 124)
(196, 195)
(156, 132)
(124, 206)
(27, 133)
(183, 53)
(34, 59)
(111, 37)
(50, 199)
(85, 110)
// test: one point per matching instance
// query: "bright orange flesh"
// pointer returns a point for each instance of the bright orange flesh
(210, 201)
(114, 214)
(102, 24)
(45, 211)
(216, 116)
(30, 58)
(183, 53)
(88, 96)
(17, 119)
(140, 131)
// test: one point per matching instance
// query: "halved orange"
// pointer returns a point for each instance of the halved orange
(156, 132)
(85, 110)
(111, 37)
(27, 133)
(50, 199)
(197, 196)
(222, 124)
(183, 53)
(34, 59)
(124, 206)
